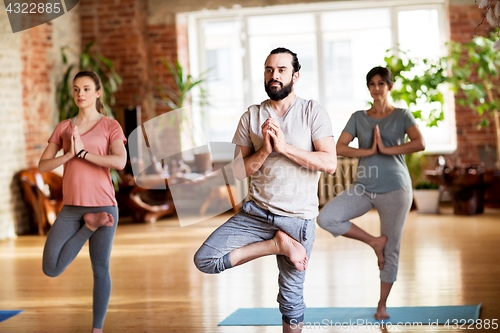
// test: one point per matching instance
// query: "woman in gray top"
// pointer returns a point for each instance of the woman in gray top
(382, 178)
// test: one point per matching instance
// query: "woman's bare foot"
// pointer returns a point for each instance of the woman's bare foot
(381, 313)
(378, 246)
(93, 221)
(96, 330)
(292, 249)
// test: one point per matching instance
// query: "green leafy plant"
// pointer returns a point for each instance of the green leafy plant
(415, 163)
(176, 97)
(418, 81)
(426, 185)
(475, 67)
(472, 68)
(88, 60)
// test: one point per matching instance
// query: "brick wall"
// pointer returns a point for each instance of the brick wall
(38, 91)
(120, 29)
(136, 47)
(66, 32)
(473, 145)
(163, 46)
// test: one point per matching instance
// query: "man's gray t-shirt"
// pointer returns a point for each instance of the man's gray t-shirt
(280, 185)
(381, 173)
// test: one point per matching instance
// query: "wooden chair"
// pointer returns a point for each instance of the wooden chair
(43, 196)
(136, 202)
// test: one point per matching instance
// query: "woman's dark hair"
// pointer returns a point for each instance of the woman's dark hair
(295, 61)
(384, 73)
(98, 86)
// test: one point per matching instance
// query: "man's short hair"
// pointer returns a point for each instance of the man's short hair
(295, 61)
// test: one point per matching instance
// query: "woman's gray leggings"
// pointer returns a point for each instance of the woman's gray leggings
(65, 240)
(392, 207)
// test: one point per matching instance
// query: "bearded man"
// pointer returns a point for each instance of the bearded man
(285, 142)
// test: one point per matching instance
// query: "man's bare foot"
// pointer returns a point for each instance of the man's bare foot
(93, 221)
(381, 313)
(292, 249)
(96, 330)
(378, 246)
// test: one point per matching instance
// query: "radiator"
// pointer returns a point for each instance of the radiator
(332, 185)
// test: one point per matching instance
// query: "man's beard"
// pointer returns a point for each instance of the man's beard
(278, 94)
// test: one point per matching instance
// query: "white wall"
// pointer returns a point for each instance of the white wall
(12, 147)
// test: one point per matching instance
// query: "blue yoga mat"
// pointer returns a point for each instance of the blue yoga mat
(4, 315)
(426, 315)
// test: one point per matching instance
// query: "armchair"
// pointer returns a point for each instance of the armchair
(43, 196)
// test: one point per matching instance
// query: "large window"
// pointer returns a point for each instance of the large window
(337, 43)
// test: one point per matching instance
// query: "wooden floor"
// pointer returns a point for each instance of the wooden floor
(445, 260)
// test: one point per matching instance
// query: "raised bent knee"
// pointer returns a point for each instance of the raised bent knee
(200, 262)
(332, 225)
(50, 271)
(207, 263)
(323, 221)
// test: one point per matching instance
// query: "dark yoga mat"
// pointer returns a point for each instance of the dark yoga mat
(4, 315)
(426, 316)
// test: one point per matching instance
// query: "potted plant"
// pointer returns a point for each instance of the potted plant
(475, 67)
(415, 162)
(416, 88)
(426, 195)
(181, 97)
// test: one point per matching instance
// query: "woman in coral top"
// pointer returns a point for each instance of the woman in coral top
(92, 144)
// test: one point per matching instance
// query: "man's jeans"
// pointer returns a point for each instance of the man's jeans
(254, 224)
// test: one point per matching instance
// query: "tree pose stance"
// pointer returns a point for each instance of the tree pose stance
(92, 144)
(284, 142)
(382, 179)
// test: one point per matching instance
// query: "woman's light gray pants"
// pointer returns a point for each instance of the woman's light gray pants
(392, 207)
